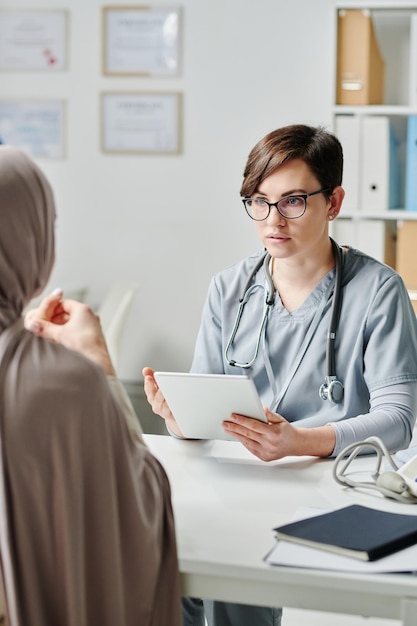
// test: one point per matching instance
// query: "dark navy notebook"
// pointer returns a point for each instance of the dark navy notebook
(355, 530)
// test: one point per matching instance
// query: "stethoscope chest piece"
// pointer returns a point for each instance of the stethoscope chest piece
(332, 390)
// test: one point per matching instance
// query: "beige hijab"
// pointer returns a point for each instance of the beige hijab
(86, 525)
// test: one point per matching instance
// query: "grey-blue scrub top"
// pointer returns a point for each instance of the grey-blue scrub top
(375, 347)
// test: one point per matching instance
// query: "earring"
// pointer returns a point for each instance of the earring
(331, 217)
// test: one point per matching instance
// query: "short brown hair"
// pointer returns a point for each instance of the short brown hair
(318, 148)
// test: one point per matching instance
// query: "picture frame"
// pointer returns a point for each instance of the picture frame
(35, 126)
(35, 40)
(141, 122)
(141, 41)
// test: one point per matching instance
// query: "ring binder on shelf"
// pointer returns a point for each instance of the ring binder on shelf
(411, 165)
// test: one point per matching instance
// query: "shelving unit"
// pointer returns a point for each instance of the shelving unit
(395, 27)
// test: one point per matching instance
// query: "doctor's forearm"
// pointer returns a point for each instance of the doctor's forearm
(318, 441)
(392, 418)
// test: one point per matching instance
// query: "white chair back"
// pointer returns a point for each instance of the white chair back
(113, 313)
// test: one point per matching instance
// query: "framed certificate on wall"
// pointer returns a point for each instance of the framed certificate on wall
(35, 126)
(33, 40)
(147, 123)
(141, 41)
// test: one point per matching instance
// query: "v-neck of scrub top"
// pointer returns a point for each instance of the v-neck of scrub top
(304, 321)
(310, 304)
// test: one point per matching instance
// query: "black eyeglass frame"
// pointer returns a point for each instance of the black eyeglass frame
(304, 196)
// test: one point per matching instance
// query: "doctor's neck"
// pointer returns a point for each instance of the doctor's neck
(300, 273)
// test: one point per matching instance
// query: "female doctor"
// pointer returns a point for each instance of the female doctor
(334, 353)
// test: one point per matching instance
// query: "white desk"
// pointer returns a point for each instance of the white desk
(225, 512)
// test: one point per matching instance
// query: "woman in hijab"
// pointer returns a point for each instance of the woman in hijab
(86, 526)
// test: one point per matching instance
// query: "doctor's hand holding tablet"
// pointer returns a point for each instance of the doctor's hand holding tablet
(206, 407)
(210, 406)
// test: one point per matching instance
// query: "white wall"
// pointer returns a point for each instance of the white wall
(169, 222)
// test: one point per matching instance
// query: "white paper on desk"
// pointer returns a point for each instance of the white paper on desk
(235, 452)
(402, 456)
(294, 555)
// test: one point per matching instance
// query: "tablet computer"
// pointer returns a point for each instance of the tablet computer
(201, 402)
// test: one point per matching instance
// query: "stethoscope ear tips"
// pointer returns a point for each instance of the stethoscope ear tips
(332, 391)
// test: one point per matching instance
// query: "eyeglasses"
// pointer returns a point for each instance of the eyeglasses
(289, 207)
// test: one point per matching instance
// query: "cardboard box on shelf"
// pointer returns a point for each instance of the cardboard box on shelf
(360, 66)
(407, 257)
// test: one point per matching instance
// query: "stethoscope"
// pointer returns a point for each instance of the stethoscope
(332, 388)
(390, 483)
